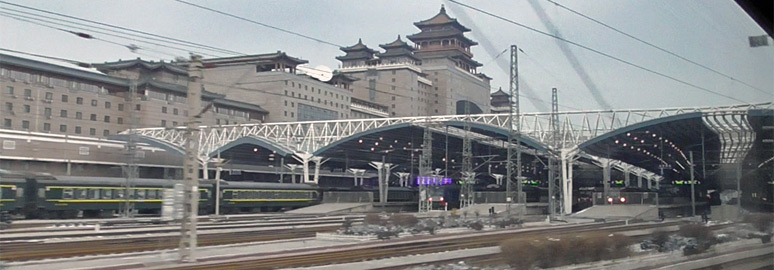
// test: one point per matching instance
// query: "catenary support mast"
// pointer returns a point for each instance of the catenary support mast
(514, 136)
(187, 247)
(130, 170)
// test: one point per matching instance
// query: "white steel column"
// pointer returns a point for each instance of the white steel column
(379, 166)
(404, 178)
(567, 157)
(498, 178)
(318, 162)
(304, 159)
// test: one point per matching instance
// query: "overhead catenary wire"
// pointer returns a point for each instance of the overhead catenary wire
(131, 47)
(125, 29)
(654, 46)
(260, 23)
(114, 33)
(595, 51)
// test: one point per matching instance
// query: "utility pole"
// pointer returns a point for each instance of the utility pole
(555, 201)
(514, 136)
(130, 170)
(187, 247)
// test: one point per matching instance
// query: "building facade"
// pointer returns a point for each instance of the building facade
(43, 97)
(271, 81)
(435, 76)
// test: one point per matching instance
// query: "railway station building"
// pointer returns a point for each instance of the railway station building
(435, 76)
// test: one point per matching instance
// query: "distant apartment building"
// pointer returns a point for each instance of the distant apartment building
(435, 76)
(272, 82)
(39, 96)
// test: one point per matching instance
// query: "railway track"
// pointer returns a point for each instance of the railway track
(75, 233)
(106, 223)
(402, 247)
(25, 251)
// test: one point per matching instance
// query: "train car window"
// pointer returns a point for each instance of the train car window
(67, 193)
(80, 193)
(19, 192)
(119, 194)
(234, 194)
(93, 193)
(141, 194)
(204, 194)
(152, 194)
(107, 193)
(41, 193)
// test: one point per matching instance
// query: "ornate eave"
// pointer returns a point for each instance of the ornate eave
(139, 63)
(427, 35)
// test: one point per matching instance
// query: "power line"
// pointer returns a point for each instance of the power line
(120, 27)
(133, 48)
(596, 51)
(655, 46)
(260, 23)
(59, 21)
(77, 63)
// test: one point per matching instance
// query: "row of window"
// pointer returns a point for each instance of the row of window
(319, 91)
(266, 195)
(319, 100)
(47, 112)
(105, 194)
(165, 96)
(8, 123)
(50, 81)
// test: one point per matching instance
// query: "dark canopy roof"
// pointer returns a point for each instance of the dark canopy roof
(441, 19)
(358, 51)
(142, 64)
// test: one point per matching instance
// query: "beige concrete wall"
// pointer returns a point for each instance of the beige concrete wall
(396, 87)
(277, 92)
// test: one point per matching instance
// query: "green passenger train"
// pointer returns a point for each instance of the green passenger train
(46, 196)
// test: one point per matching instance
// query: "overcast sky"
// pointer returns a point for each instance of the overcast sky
(713, 33)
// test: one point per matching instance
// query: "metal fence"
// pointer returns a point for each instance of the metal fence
(495, 197)
(347, 197)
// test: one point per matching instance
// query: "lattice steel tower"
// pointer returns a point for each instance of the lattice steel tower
(426, 167)
(468, 176)
(555, 194)
(130, 169)
(514, 136)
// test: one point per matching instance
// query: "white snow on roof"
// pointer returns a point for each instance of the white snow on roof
(51, 61)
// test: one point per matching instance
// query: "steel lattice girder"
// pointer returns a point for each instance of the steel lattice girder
(575, 127)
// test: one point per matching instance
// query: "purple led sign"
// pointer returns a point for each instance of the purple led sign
(433, 181)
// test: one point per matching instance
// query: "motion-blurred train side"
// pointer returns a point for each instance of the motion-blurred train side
(45, 196)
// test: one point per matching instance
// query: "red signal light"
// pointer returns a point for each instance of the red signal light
(610, 200)
(622, 199)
